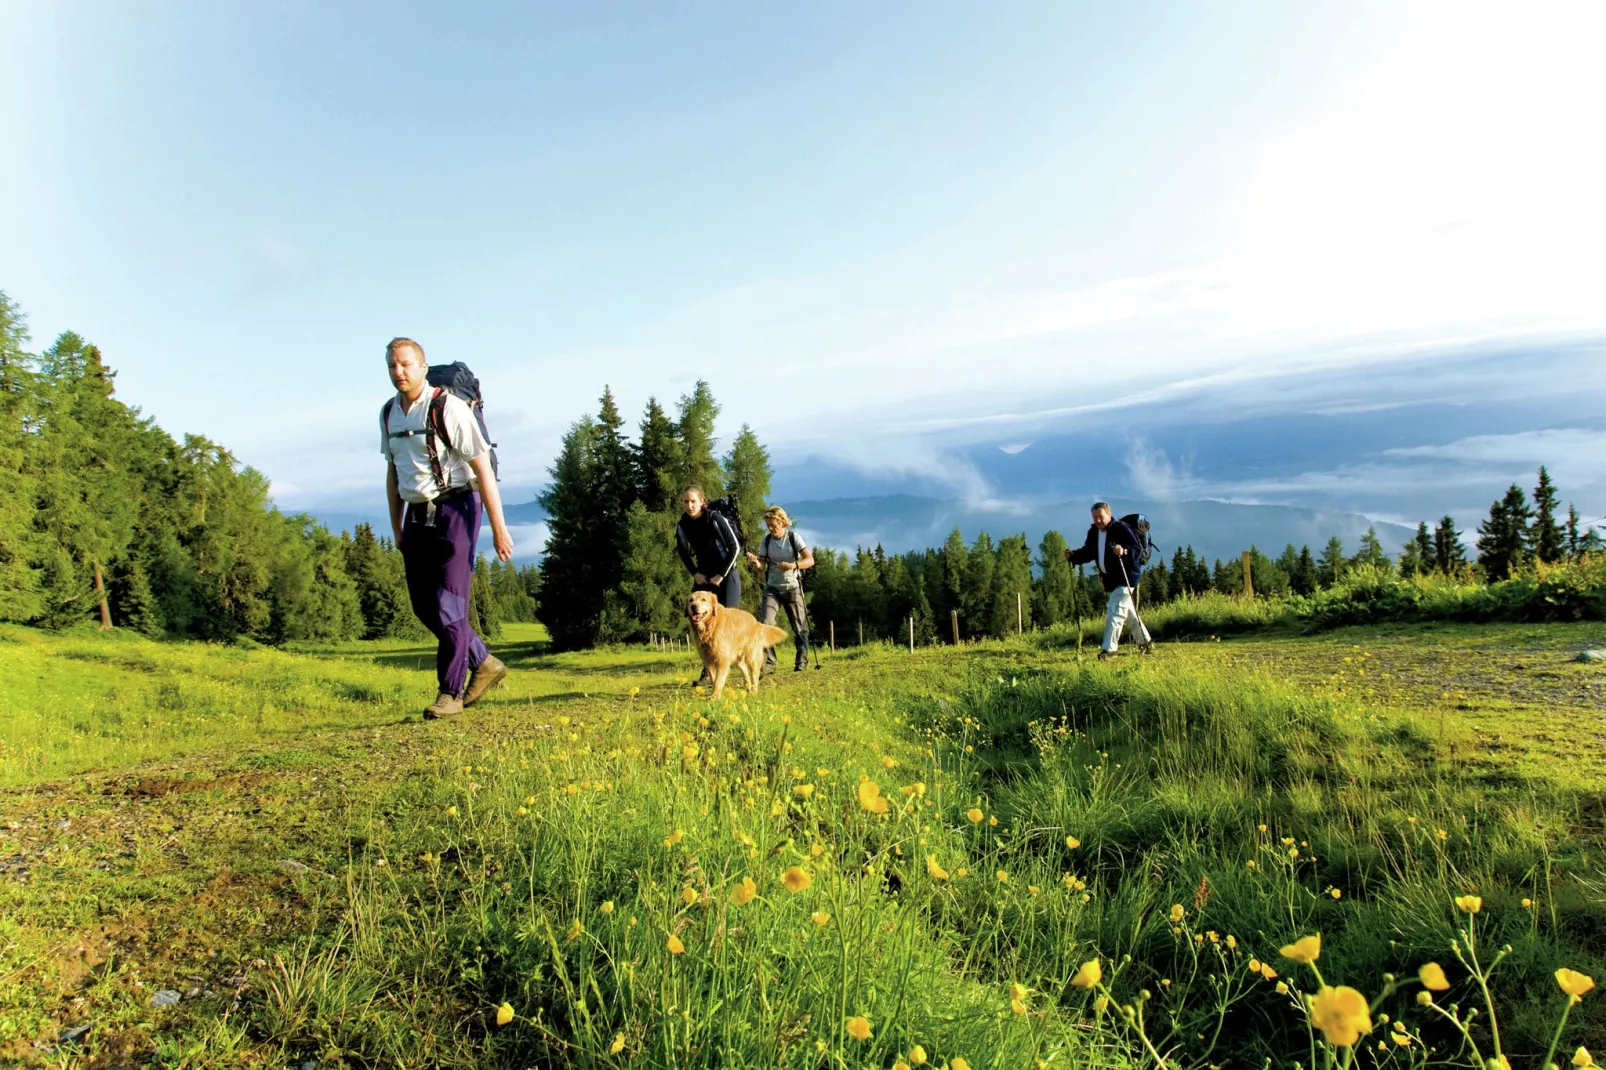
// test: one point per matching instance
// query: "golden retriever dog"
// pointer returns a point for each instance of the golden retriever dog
(729, 637)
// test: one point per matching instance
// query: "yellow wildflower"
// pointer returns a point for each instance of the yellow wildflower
(688, 895)
(1305, 950)
(958, 1063)
(607, 907)
(936, 871)
(975, 815)
(618, 1044)
(1573, 983)
(1267, 972)
(575, 930)
(1581, 1057)
(1424, 998)
(803, 791)
(816, 850)
(744, 892)
(504, 1014)
(821, 918)
(675, 946)
(1089, 974)
(888, 762)
(870, 797)
(1017, 1006)
(1018, 991)
(1341, 1014)
(1003, 877)
(1176, 913)
(1470, 904)
(917, 1055)
(1335, 893)
(859, 1027)
(1432, 976)
(796, 878)
(674, 838)
(451, 811)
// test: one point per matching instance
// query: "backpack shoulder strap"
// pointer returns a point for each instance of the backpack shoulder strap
(797, 550)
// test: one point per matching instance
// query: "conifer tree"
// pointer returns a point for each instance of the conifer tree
(1371, 552)
(1304, 580)
(1545, 536)
(695, 428)
(1055, 585)
(1330, 567)
(571, 598)
(1012, 579)
(655, 586)
(976, 598)
(133, 604)
(19, 577)
(1503, 537)
(657, 456)
(1448, 553)
(484, 614)
(1572, 532)
(955, 559)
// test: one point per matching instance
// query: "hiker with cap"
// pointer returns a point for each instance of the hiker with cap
(1114, 548)
(438, 473)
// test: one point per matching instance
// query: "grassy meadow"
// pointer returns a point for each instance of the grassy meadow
(216, 856)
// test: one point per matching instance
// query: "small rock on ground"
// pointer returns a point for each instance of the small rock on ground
(1592, 656)
(165, 998)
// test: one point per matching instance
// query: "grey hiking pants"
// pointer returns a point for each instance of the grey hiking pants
(796, 612)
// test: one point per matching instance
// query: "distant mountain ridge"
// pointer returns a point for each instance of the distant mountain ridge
(902, 522)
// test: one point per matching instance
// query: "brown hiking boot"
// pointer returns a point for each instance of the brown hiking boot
(444, 706)
(490, 673)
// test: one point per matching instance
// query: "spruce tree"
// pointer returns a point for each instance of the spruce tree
(1503, 537)
(1448, 552)
(658, 463)
(955, 566)
(484, 614)
(1409, 564)
(655, 585)
(1012, 587)
(1545, 536)
(1572, 532)
(19, 577)
(1330, 567)
(133, 605)
(1055, 586)
(1426, 554)
(976, 598)
(1305, 578)
(1371, 552)
(571, 600)
(695, 428)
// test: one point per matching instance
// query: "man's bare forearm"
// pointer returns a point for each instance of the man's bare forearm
(490, 493)
(394, 500)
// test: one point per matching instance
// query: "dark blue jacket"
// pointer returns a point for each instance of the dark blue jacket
(707, 544)
(1117, 534)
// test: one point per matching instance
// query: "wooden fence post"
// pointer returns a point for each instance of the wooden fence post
(1020, 614)
(911, 633)
(833, 636)
(100, 593)
(1249, 577)
(953, 615)
(861, 631)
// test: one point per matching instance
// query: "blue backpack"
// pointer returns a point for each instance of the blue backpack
(455, 379)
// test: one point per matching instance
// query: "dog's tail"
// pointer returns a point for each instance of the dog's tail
(772, 635)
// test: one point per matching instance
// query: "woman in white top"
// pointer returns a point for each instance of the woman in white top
(782, 557)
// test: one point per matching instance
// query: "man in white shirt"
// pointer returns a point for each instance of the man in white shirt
(438, 470)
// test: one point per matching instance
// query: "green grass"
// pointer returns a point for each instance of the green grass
(336, 880)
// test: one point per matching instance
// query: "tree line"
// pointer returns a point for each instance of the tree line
(610, 573)
(122, 523)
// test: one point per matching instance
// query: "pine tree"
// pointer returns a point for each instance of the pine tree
(1448, 553)
(955, 559)
(1330, 567)
(1371, 552)
(484, 614)
(1426, 552)
(571, 599)
(746, 474)
(1305, 578)
(1503, 537)
(658, 460)
(20, 598)
(1012, 587)
(1545, 536)
(1409, 564)
(695, 428)
(133, 605)
(1573, 540)
(381, 589)
(1055, 587)
(976, 598)
(655, 586)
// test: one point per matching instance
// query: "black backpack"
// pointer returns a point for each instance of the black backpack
(1139, 525)
(455, 379)
(729, 509)
(804, 575)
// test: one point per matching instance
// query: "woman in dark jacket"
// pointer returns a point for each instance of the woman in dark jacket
(709, 548)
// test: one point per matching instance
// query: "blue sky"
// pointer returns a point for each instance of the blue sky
(886, 233)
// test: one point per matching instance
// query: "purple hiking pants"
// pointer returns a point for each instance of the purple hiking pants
(440, 574)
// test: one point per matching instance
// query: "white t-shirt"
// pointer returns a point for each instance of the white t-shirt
(414, 480)
(1099, 560)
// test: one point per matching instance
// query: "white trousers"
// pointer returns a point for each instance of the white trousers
(1122, 616)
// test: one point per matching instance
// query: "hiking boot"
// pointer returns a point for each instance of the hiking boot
(1146, 648)
(1105, 654)
(491, 672)
(444, 706)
